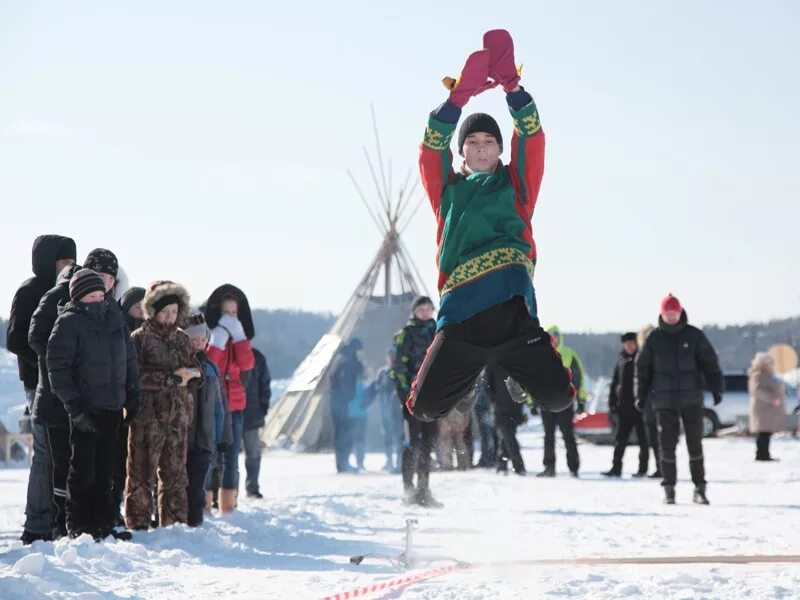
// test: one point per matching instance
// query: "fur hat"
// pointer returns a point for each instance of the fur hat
(162, 293)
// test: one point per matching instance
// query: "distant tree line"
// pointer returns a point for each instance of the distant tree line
(287, 336)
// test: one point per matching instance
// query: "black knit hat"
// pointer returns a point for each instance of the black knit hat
(165, 301)
(102, 261)
(479, 123)
(130, 298)
(628, 337)
(85, 282)
(419, 301)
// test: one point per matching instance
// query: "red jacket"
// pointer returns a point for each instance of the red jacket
(231, 361)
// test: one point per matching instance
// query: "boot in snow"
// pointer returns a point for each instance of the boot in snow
(612, 473)
(409, 496)
(28, 538)
(655, 475)
(639, 474)
(699, 496)
(548, 472)
(227, 501)
(426, 499)
(574, 474)
(669, 494)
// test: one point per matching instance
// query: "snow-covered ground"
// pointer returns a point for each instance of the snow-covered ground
(297, 542)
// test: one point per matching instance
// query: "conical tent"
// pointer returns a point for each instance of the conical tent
(301, 420)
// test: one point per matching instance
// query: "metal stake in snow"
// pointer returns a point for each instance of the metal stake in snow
(404, 560)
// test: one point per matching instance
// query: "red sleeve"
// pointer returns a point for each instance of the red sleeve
(527, 157)
(436, 160)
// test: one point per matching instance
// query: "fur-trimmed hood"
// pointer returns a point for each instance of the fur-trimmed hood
(159, 289)
(212, 308)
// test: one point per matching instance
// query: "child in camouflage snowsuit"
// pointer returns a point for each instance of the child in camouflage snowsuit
(158, 438)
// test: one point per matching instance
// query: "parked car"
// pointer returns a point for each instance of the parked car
(598, 427)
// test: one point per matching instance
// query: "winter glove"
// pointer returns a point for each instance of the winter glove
(474, 79)
(132, 407)
(223, 447)
(219, 337)
(186, 375)
(717, 399)
(501, 59)
(84, 423)
(234, 327)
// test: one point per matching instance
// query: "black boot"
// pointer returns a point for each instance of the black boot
(669, 494)
(548, 472)
(614, 472)
(655, 475)
(28, 538)
(426, 499)
(699, 496)
(409, 496)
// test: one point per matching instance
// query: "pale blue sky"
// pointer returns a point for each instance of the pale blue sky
(208, 142)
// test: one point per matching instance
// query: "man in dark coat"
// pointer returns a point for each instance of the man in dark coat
(621, 399)
(91, 363)
(258, 397)
(673, 367)
(346, 369)
(50, 255)
(410, 347)
(508, 415)
(48, 410)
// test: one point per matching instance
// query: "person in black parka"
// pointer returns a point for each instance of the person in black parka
(50, 255)
(621, 405)
(346, 369)
(93, 369)
(410, 349)
(258, 396)
(48, 410)
(672, 370)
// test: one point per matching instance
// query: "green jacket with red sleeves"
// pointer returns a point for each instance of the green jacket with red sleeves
(486, 251)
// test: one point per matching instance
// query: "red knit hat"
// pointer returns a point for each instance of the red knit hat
(671, 303)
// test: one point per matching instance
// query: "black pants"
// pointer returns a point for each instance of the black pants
(505, 335)
(197, 465)
(60, 453)
(90, 483)
(762, 446)
(121, 467)
(487, 433)
(564, 421)
(668, 434)
(627, 423)
(509, 446)
(652, 438)
(420, 441)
